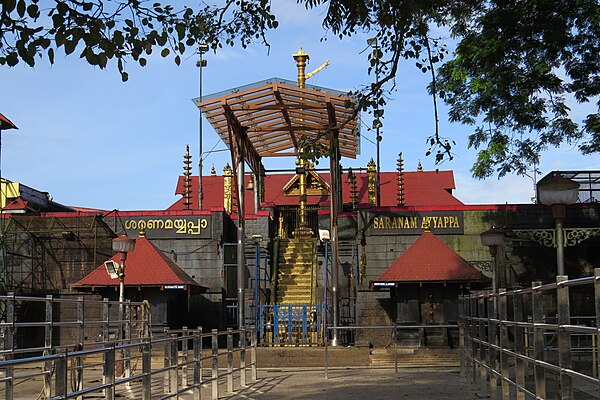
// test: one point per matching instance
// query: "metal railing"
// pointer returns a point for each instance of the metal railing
(290, 325)
(33, 325)
(538, 342)
(165, 370)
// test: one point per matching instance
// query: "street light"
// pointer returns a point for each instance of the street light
(558, 192)
(378, 114)
(201, 63)
(492, 238)
(325, 237)
(122, 245)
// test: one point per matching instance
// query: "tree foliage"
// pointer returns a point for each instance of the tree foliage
(100, 31)
(518, 68)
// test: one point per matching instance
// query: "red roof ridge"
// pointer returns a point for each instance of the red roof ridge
(145, 266)
(429, 259)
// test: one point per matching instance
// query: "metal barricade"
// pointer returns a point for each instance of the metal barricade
(148, 376)
(538, 342)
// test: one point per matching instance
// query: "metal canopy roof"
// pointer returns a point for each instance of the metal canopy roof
(269, 118)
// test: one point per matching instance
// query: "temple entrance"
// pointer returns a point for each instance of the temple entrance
(287, 218)
(426, 305)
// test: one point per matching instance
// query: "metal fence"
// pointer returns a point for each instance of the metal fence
(167, 367)
(32, 325)
(70, 347)
(540, 342)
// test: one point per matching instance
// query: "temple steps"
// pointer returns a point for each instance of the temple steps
(295, 272)
(416, 357)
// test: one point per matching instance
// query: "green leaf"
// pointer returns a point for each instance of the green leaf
(177, 60)
(165, 52)
(51, 55)
(142, 61)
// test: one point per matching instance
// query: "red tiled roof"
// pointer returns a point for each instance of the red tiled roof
(421, 188)
(430, 260)
(18, 204)
(145, 266)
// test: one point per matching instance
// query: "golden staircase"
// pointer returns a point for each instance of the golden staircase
(296, 276)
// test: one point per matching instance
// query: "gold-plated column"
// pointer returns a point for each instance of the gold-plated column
(227, 188)
(302, 184)
(372, 177)
(302, 230)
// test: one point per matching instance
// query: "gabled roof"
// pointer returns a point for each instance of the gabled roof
(145, 266)
(430, 260)
(17, 206)
(276, 113)
(421, 188)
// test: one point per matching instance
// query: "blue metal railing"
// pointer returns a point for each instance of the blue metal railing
(292, 325)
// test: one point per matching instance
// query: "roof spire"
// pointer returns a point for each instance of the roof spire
(187, 161)
(400, 173)
(419, 167)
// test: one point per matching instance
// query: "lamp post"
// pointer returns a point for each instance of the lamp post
(558, 192)
(378, 114)
(122, 245)
(324, 237)
(492, 238)
(201, 63)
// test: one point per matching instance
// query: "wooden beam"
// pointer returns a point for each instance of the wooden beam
(241, 139)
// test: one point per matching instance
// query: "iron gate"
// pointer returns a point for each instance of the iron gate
(291, 325)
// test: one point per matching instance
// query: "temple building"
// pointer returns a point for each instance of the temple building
(293, 252)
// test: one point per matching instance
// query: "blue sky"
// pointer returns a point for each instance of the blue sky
(91, 140)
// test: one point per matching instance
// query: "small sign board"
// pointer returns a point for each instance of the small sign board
(177, 287)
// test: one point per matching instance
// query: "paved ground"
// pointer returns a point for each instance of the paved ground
(357, 384)
(300, 383)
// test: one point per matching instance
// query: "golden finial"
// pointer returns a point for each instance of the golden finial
(301, 59)
(419, 167)
(213, 171)
(400, 165)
